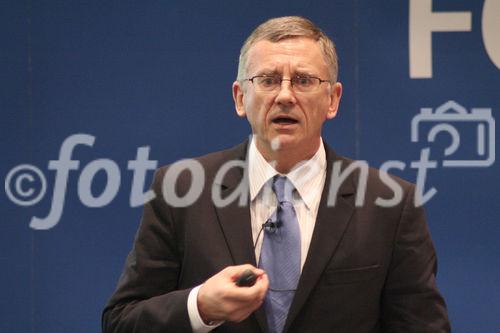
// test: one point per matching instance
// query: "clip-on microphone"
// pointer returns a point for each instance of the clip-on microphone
(271, 226)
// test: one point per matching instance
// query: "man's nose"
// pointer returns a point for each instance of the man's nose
(285, 94)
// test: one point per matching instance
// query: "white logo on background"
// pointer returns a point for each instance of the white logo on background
(452, 118)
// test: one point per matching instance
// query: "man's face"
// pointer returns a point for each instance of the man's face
(286, 120)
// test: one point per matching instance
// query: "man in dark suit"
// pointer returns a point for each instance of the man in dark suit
(364, 267)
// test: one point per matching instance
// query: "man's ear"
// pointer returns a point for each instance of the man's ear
(335, 95)
(238, 99)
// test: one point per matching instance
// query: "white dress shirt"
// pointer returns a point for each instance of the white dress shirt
(307, 177)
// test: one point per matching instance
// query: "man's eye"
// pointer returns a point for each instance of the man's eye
(267, 81)
(303, 81)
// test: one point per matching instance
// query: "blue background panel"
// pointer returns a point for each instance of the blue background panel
(159, 74)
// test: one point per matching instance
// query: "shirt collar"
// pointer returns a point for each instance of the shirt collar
(259, 170)
(306, 177)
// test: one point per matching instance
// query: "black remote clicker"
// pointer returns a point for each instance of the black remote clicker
(246, 279)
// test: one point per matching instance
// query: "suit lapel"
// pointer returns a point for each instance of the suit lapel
(234, 218)
(235, 221)
(329, 229)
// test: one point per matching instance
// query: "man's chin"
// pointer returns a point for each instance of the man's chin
(284, 142)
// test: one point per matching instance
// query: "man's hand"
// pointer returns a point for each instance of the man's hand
(220, 299)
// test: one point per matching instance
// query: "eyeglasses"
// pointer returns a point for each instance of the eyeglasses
(299, 83)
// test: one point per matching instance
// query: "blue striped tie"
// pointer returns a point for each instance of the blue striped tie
(280, 256)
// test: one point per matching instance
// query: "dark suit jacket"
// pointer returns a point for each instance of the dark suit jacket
(368, 269)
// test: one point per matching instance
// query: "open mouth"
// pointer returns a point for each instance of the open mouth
(284, 120)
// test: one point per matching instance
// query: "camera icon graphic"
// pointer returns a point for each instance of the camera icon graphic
(454, 119)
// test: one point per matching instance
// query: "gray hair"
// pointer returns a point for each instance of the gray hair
(277, 29)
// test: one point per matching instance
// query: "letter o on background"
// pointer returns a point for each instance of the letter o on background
(195, 189)
(490, 25)
(112, 183)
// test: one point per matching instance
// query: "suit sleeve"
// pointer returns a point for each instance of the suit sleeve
(411, 301)
(147, 298)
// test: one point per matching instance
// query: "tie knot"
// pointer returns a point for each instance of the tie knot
(283, 189)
